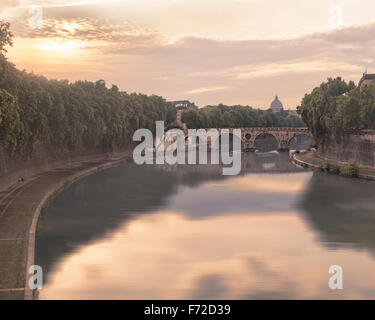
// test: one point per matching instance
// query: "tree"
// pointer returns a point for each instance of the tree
(367, 107)
(336, 107)
(222, 116)
(6, 37)
(10, 124)
(71, 116)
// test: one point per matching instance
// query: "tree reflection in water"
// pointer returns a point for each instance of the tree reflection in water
(341, 210)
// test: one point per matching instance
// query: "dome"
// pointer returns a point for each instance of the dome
(276, 105)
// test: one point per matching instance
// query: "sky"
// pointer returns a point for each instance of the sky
(207, 51)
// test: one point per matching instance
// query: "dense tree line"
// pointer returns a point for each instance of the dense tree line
(222, 116)
(73, 115)
(337, 107)
(80, 115)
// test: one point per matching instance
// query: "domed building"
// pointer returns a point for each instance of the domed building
(276, 106)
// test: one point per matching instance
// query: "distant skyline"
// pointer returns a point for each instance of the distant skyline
(205, 51)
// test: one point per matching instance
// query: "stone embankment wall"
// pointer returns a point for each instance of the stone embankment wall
(351, 148)
(44, 158)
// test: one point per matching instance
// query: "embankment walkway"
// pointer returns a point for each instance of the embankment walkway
(20, 206)
(312, 160)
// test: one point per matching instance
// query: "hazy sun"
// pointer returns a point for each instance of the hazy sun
(62, 47)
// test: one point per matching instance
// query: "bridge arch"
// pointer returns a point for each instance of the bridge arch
(270, 141)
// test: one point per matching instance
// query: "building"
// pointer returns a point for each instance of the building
(183, 104)
(366, 79)
(276, 106)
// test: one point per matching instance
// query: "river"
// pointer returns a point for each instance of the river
(188, 232)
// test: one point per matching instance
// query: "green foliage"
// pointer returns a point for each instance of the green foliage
(10, 125)
(350, 171)
(6, 36)
(367, 107)
(332, 168)
(80, 115)
(337, 107)
(327, 166)
(222, 116)
(313, 143)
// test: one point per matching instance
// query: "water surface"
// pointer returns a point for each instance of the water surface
(187, 232)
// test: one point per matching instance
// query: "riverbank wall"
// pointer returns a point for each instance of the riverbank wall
(29, 197)
(356, 148)
(44, 158)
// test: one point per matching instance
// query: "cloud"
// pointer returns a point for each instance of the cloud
(76, 20)
(206, 89)
(252, 71)
(7, 4)
(207, 70)
(87, 30)
(351, 44)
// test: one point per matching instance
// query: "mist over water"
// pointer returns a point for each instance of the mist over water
(187, 231)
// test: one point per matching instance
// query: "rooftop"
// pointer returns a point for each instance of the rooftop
(367, 78)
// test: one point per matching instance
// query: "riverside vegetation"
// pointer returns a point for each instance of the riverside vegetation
(337, 107)
(222, 116)
(350, 171)
(79, 115)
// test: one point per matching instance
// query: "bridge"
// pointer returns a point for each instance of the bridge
(283, 135)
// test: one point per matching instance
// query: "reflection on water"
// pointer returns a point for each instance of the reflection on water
(342, 211)
(180, 232)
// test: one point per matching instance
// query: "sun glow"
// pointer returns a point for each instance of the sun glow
(69, 27)
(61, 47)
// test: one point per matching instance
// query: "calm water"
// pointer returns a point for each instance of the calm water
(184, 232)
